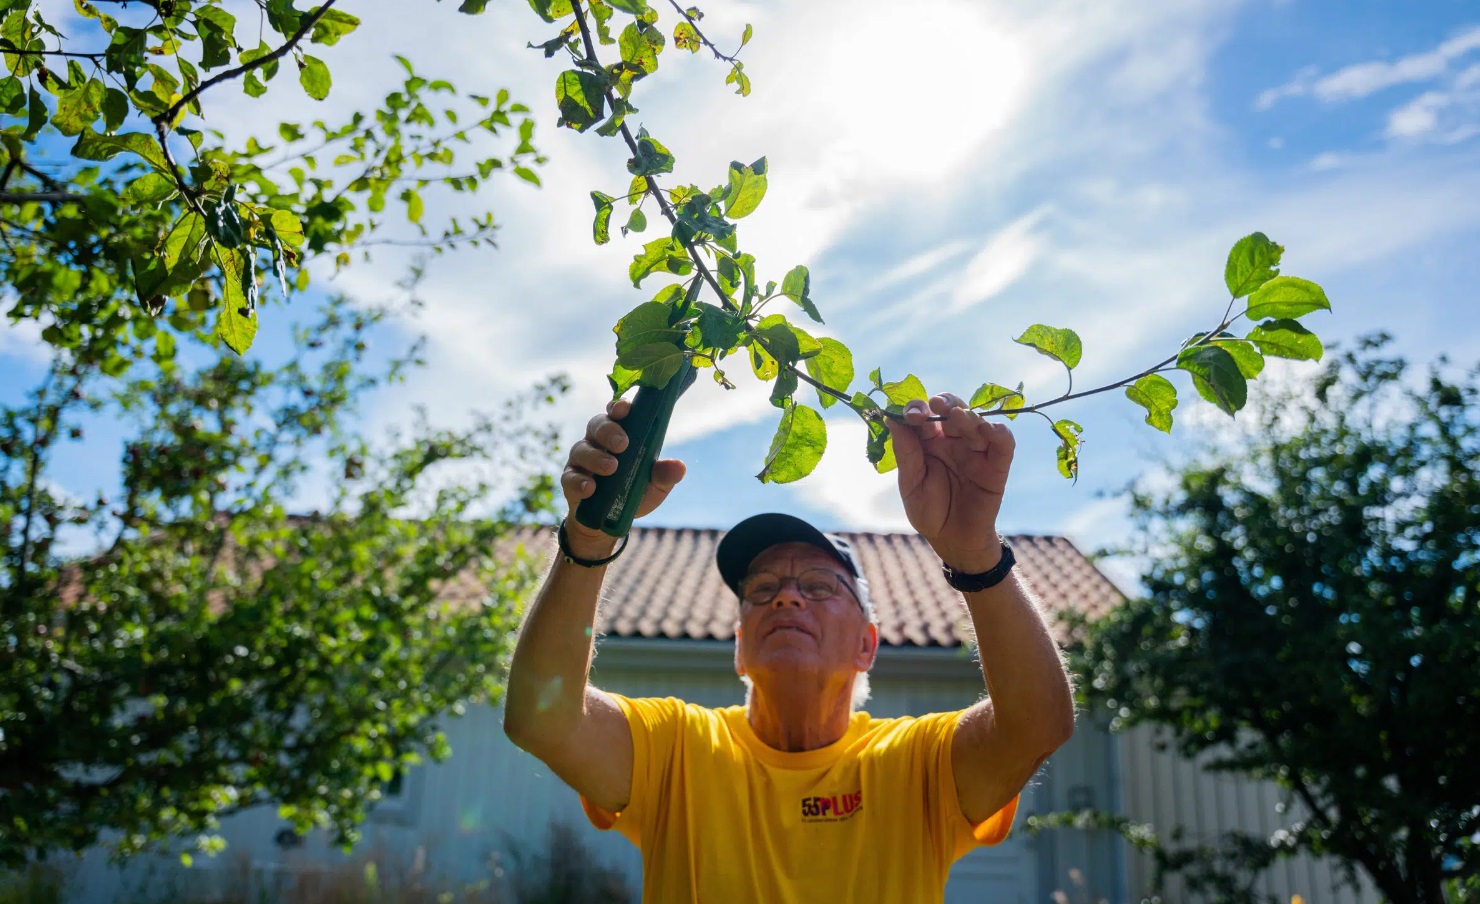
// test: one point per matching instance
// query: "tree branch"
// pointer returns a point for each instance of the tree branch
(307, 25)
(702, 37)
(47, 197)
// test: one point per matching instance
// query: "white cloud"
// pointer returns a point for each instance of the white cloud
(1362, 79)
(1003, 259)
(22, 340)
(847, 487)
(1418, 116)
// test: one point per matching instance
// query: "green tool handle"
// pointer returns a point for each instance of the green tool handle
(614, 504)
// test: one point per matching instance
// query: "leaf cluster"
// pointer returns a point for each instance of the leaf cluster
(148, 218)
(702, 244)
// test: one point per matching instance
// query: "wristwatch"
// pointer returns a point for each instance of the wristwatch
(969, 583)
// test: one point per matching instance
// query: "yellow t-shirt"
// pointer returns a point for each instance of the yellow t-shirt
(721, 817)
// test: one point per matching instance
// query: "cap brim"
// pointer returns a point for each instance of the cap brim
(753, 536)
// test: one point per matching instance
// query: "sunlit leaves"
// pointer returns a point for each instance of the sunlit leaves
(686, 37)
(664, 255)
(719, 328)
(1216, 376)
(94, 146)
(601, 227)
(236, 323)
(797, 447)
(833, 366)
(640, 45)
(1068, 433)
(150, 188)
(578, 94)
(739, 79)
(1286, 339)
(1158, 396)
(880, 446)
(652, 157)
(549, 10)
(747, 186)
(314, 76)
(647, 343)
(901, 392)
(634, 7)
(331, 26)
(1059, 344)
(1286, 297)
(79, 108)
(1253, 261)
(992, 396)
(797, 285)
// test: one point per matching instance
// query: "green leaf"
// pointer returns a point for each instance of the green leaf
(800, 440)
(1216, 376)
(664, 255)
(115, 109)
(652, 157)
(747, 188)
(237, 322)
(1158, 396)
(784, 388)
(36, 116)
(150, 188)
(686, 37)
(647, 343)
(93, 146)
(184, 244)
(718, 328)
(993, 396)
(833, 366)
(332, 26)
(1287, 339)
(622, 379)
(739, 79)
(288, 227)
(549, 10)
(902, 392)
(746, 35)
(1286, 297)
(635, 223)
(640, 45)
(313, 75)
(601, 227)
(796, 286)
(1059, 344)
(880, 445)
(1253, 261)
(1068, 433)
(635, 7)
(79, 108)
(1250, 361)
(415, 207)
(579, 95)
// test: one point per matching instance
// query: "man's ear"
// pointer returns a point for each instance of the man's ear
(868, 648)
(739, 665)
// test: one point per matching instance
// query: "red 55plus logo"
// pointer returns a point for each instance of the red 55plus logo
(830, 809)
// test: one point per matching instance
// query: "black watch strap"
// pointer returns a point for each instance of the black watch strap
(969, 583)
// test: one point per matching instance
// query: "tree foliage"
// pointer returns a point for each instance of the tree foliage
(702, 247)
(209, 650)
(121, 212)
(183, 646)
(1312, 617)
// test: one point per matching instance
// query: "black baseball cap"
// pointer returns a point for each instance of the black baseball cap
(753, 536)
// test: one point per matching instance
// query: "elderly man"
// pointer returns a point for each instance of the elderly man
(796, 797)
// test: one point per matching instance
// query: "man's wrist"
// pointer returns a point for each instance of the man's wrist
(981, 578)
(583, 543)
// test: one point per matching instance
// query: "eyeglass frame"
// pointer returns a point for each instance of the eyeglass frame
(796, 579)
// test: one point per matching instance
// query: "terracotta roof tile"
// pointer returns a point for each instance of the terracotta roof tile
(666, 585)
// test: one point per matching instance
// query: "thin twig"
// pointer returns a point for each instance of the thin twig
(308, 23)
(702, 37)
(46, 197)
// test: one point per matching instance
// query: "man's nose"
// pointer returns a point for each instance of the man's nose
(790, 594)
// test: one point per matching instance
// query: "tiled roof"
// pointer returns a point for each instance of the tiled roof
(665, 584)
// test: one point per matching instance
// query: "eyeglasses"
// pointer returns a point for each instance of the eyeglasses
(815, 584)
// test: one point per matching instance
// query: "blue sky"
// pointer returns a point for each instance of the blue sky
(952, 175)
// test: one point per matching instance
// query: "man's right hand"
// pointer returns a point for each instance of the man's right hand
(596, 455)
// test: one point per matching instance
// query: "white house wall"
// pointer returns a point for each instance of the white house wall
(1164, 789)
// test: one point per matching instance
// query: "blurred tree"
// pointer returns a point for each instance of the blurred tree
(207, 650)
(1312, 617)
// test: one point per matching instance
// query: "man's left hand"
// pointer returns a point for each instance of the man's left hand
(952, 475)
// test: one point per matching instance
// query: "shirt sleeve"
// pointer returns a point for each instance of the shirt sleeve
(932, 736)
(655, 723)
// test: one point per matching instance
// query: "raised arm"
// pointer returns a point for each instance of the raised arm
(550, 709)
(952, 477)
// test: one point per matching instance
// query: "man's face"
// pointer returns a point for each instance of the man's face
(792, 634)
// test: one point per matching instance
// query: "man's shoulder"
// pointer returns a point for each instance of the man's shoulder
(673, 709)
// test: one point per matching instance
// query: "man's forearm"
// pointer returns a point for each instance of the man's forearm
(1025, 677)
(552, 659)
